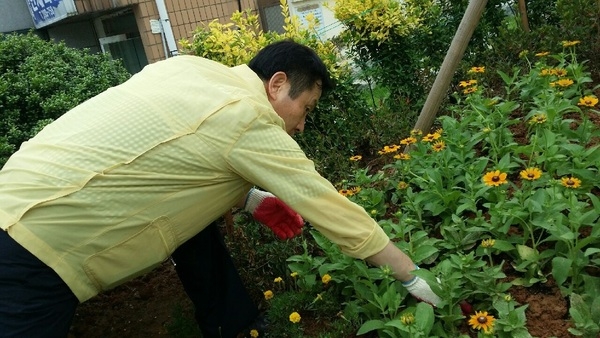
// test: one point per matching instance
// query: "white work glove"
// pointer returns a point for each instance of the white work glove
(421, 290)
(272, 212)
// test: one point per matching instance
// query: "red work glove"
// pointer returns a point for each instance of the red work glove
(272, 212)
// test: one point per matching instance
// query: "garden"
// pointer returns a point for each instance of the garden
(498, 202)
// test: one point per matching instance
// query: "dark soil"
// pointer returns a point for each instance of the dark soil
(149, 305)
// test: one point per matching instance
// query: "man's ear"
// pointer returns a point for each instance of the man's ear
(275, 84)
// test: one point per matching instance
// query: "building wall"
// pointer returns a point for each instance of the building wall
(14, 16)
(184, 16)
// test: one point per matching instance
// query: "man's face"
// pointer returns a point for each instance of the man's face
(294, 111)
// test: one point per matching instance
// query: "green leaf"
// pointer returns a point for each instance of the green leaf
(591, 251)
(527, 253)
(503, 246)
(423, 252)
(424, 318)
(371, 325)
(560, 269)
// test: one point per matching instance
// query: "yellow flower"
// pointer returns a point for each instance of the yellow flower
(407, 319)
(389, 149)
(559, 72)
(570, 182)
(538, 118)
(431, 137)
(268, 294)
(356, 158)
(588, 101)
(326, 278)
(295, 317)
(467, 83)
(402, 156)
(294, 274)
(439, 131)
(278, 280)
(416, 132)
(562, 83)
(566, 43)
(408, 140)
(355, 190)
(523, 53)
(481, 320)
(488, 243)
(346, 192)
(494, 178)
(540, 54)
(477, 70)
(439, 146)
(470, 90)
(531, 173)
(402, 185)
(253, 333)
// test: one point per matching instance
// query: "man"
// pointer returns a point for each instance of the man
(114, 186)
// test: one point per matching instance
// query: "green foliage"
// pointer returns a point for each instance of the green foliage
(41, 80)
(551, 21)
(505, 180)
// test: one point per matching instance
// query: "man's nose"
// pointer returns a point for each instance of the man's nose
(300, 126)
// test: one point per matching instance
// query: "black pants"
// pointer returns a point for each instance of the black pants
(223, 306)
(34, 301)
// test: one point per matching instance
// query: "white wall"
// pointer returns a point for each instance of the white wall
(14, 16)
(329, 26)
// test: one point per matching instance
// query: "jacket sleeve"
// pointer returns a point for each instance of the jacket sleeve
(267, 156)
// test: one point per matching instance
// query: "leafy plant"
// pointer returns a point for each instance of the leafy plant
(41, 80)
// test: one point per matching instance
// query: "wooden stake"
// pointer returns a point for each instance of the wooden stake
(523, 15)
(453, 56)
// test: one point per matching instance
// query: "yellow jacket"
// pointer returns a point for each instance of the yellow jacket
(110, 189)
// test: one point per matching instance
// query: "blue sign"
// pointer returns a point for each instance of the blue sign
(45, 12)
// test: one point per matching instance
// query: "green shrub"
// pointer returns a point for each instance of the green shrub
(41, 80)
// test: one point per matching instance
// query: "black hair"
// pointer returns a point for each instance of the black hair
(300, 63)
